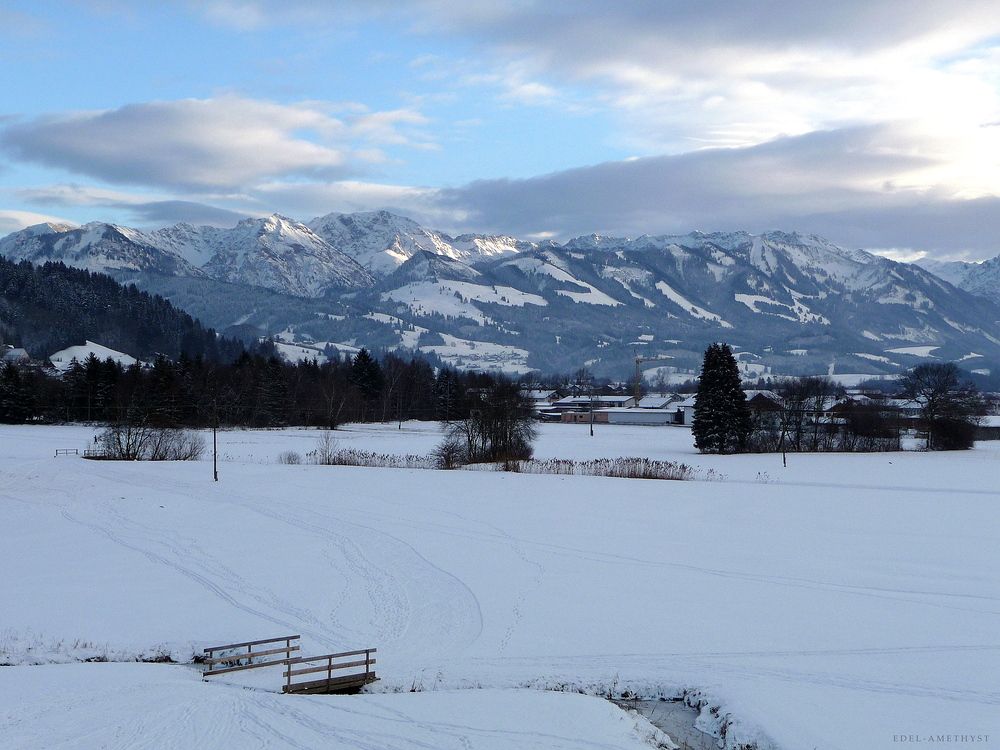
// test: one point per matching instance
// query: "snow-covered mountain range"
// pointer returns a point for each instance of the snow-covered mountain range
(981, 279)
(789, 300)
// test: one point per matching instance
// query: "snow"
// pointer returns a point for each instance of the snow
(874, 357)
(151, 706)
(697, 312)
(592, 295)
(797, 311)
(497, 295)
(299, 352)
(628, 276)
(853, 379)
(480, 355)
(62, 359)
(429, 297)
(832, 603)
(915, 351)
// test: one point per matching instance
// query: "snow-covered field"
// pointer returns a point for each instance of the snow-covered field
(846, 601)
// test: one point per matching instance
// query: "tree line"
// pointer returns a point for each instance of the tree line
(49, 307)
(253, 390)
(812, 413)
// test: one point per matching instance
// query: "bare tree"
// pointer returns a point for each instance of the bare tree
(326, 450)
(501, 426)
(140, 442)
(949, 407)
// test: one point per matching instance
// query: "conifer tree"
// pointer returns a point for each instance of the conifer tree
(722, 421)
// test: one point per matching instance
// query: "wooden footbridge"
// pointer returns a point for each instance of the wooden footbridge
(234, 657)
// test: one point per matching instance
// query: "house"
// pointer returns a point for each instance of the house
(634, 416)
(683, 410)
(658, 402)
(540, 398)
(586, 403)
(989, 428)
(15, 354)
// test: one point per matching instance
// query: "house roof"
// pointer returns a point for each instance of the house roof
(15, 353)
(656, 402)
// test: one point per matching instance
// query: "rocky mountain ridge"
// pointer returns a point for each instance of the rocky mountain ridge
(790, 301)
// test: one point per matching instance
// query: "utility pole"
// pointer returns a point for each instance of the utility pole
(215, 441)
(592, 411)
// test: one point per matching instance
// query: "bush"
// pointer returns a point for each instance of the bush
(624, 467)
(351, 457)
(289, 457)
(450, 454)
(501, 426)
(326, 448)
(127, 442)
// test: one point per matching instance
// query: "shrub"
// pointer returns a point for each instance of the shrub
(624, 467)
(501, 426)
(450, 454)
(127, 442)
(352, 457)
(289, 457)
(326, 447)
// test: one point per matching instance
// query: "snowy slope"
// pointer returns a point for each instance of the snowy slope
(281, 254)
(62, 359)
(378, 240)
(145, 706)
(981, 279)
(774, 291)
(96, 247)
(276, 253)
(381, 241)
(832, 604)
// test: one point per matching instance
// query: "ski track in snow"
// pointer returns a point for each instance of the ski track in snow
(428, 615)
(409, 596)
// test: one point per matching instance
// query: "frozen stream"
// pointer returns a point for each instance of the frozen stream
(676, 719)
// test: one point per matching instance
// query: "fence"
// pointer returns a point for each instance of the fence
(249, 655)
(330, 684)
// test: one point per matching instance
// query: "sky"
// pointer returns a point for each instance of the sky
(873, 123)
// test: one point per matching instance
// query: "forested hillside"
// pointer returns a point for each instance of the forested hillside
(49, 307)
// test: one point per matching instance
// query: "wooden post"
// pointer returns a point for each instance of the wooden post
(215, 445)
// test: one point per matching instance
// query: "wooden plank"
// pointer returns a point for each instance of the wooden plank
(251, 655)
(244, 666)
(328, 668)
(338, 684)
(253, 643)
(334, 656)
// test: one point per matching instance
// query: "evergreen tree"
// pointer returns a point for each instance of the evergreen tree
(722, 421)
(366, 375)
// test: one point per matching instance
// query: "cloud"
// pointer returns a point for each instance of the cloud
(168, 213)
(867, 186)
(225, 142)
(14, 221)
(142, 209)
(76, 195)
(19, 24)
(859, 186)
(238, 16)
(307, 200)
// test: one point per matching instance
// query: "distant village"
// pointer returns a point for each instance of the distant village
(575, 404)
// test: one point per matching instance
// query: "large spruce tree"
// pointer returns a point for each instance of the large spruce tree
(722, 421)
